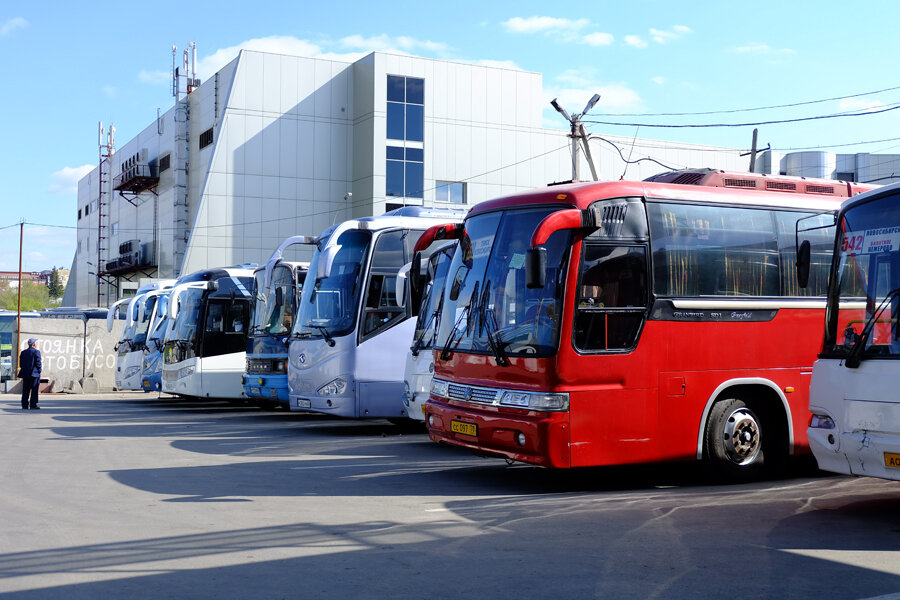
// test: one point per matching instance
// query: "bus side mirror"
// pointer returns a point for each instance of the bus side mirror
(326, 260)
(803, 261)
(536, 267)
(400, 285)
(458, 279)
(417, 275)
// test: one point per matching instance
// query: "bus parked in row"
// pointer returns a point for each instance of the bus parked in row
(351, 336)
(205, 348)
(628, 322)
(276, 290)
(854, 426)
(130, 348)
(426, 295)
(151, 367)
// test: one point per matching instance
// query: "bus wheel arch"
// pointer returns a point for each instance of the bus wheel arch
(746, 430)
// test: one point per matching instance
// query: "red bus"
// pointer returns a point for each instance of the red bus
(631, 322)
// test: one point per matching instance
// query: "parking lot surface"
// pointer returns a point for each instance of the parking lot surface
(130, 495)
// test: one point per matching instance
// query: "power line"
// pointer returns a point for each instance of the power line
(739, 110)
(758, 123)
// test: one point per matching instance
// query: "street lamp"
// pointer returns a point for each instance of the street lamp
(577, 131)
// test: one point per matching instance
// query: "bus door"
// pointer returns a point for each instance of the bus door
(616, 414)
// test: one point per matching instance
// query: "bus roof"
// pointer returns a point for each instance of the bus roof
(888, 190)
(699, 185)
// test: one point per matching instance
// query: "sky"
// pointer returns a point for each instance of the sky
(67, 66)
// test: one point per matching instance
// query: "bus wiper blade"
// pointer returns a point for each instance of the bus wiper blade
(449, 347)
(490, 327)
(328, 339)
(301, 335)
(854, 357)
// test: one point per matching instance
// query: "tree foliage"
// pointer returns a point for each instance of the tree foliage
(35, 296)
(55, 286)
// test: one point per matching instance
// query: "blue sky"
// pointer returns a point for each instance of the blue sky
(67, 66)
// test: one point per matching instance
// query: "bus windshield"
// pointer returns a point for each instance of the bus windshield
(488, 308)
(273, 308)
(429, 316)
(182, 333)
(864, 302)
(140, 331)
(328, 306)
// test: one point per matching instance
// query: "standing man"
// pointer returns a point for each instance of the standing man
(30, 366)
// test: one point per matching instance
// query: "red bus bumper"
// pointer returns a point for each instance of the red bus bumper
(500, 431)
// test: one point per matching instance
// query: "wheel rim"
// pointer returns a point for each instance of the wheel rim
(741, 436)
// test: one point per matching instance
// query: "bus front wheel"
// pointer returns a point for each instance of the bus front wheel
(735, 441)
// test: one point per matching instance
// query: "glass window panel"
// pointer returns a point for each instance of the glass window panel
(415, 180)
(396, 88)
(395, 152)
(394, 121)
(457, 193)
(713, 251)
(819, 231)
(415, 90)
(415, 154)
(393, 182)
(415, 123)
(442, 191)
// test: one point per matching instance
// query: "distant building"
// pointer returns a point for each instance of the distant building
(863, 167)
(273, 146)
(12, 277)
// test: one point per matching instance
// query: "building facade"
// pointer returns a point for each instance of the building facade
(274, 145)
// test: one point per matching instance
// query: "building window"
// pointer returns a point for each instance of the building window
(845, 176)
(165, 161)
(405, 175)
(87, 209)
(206, 138)
(79, 214)
(115, 229)
(453, 192)
(405, 108)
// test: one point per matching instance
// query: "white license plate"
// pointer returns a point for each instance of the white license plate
(304, 403)
(254, 390)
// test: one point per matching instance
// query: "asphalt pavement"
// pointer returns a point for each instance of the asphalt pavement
(134, 496)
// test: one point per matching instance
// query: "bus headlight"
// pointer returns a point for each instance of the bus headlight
(535, 401)
(439, 388)
(821, 422)
(335, 387)
(279, 365)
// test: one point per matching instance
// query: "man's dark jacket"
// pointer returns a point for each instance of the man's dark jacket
(30, 362)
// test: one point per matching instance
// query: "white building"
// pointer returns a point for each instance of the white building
(273, 146)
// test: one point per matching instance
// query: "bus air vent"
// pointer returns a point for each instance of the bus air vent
(812, 188)
(689, 178)
(740, 183)
(785, 186)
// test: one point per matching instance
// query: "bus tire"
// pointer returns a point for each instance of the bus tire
(735, 441)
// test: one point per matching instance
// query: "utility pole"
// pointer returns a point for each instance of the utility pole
(577, 132)
(753, 151)
(15, 350)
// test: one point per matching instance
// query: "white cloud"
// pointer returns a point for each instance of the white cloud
(65, 181)
(276, 44)
(385, 43)
(759, 48)
(543, 24)
(636, 41)
(11, 25)
(576, 87)
(155, 77)
(851, 104)
(658, 80)
(500, 64)
(599, 39)
(664, 37)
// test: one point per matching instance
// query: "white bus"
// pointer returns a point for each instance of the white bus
(351, 336)
(130, 349)
(854, 399)
(205, 348)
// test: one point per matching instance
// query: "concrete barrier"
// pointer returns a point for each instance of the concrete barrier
(77, 355)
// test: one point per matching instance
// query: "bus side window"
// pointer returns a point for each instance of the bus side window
(612, 298)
